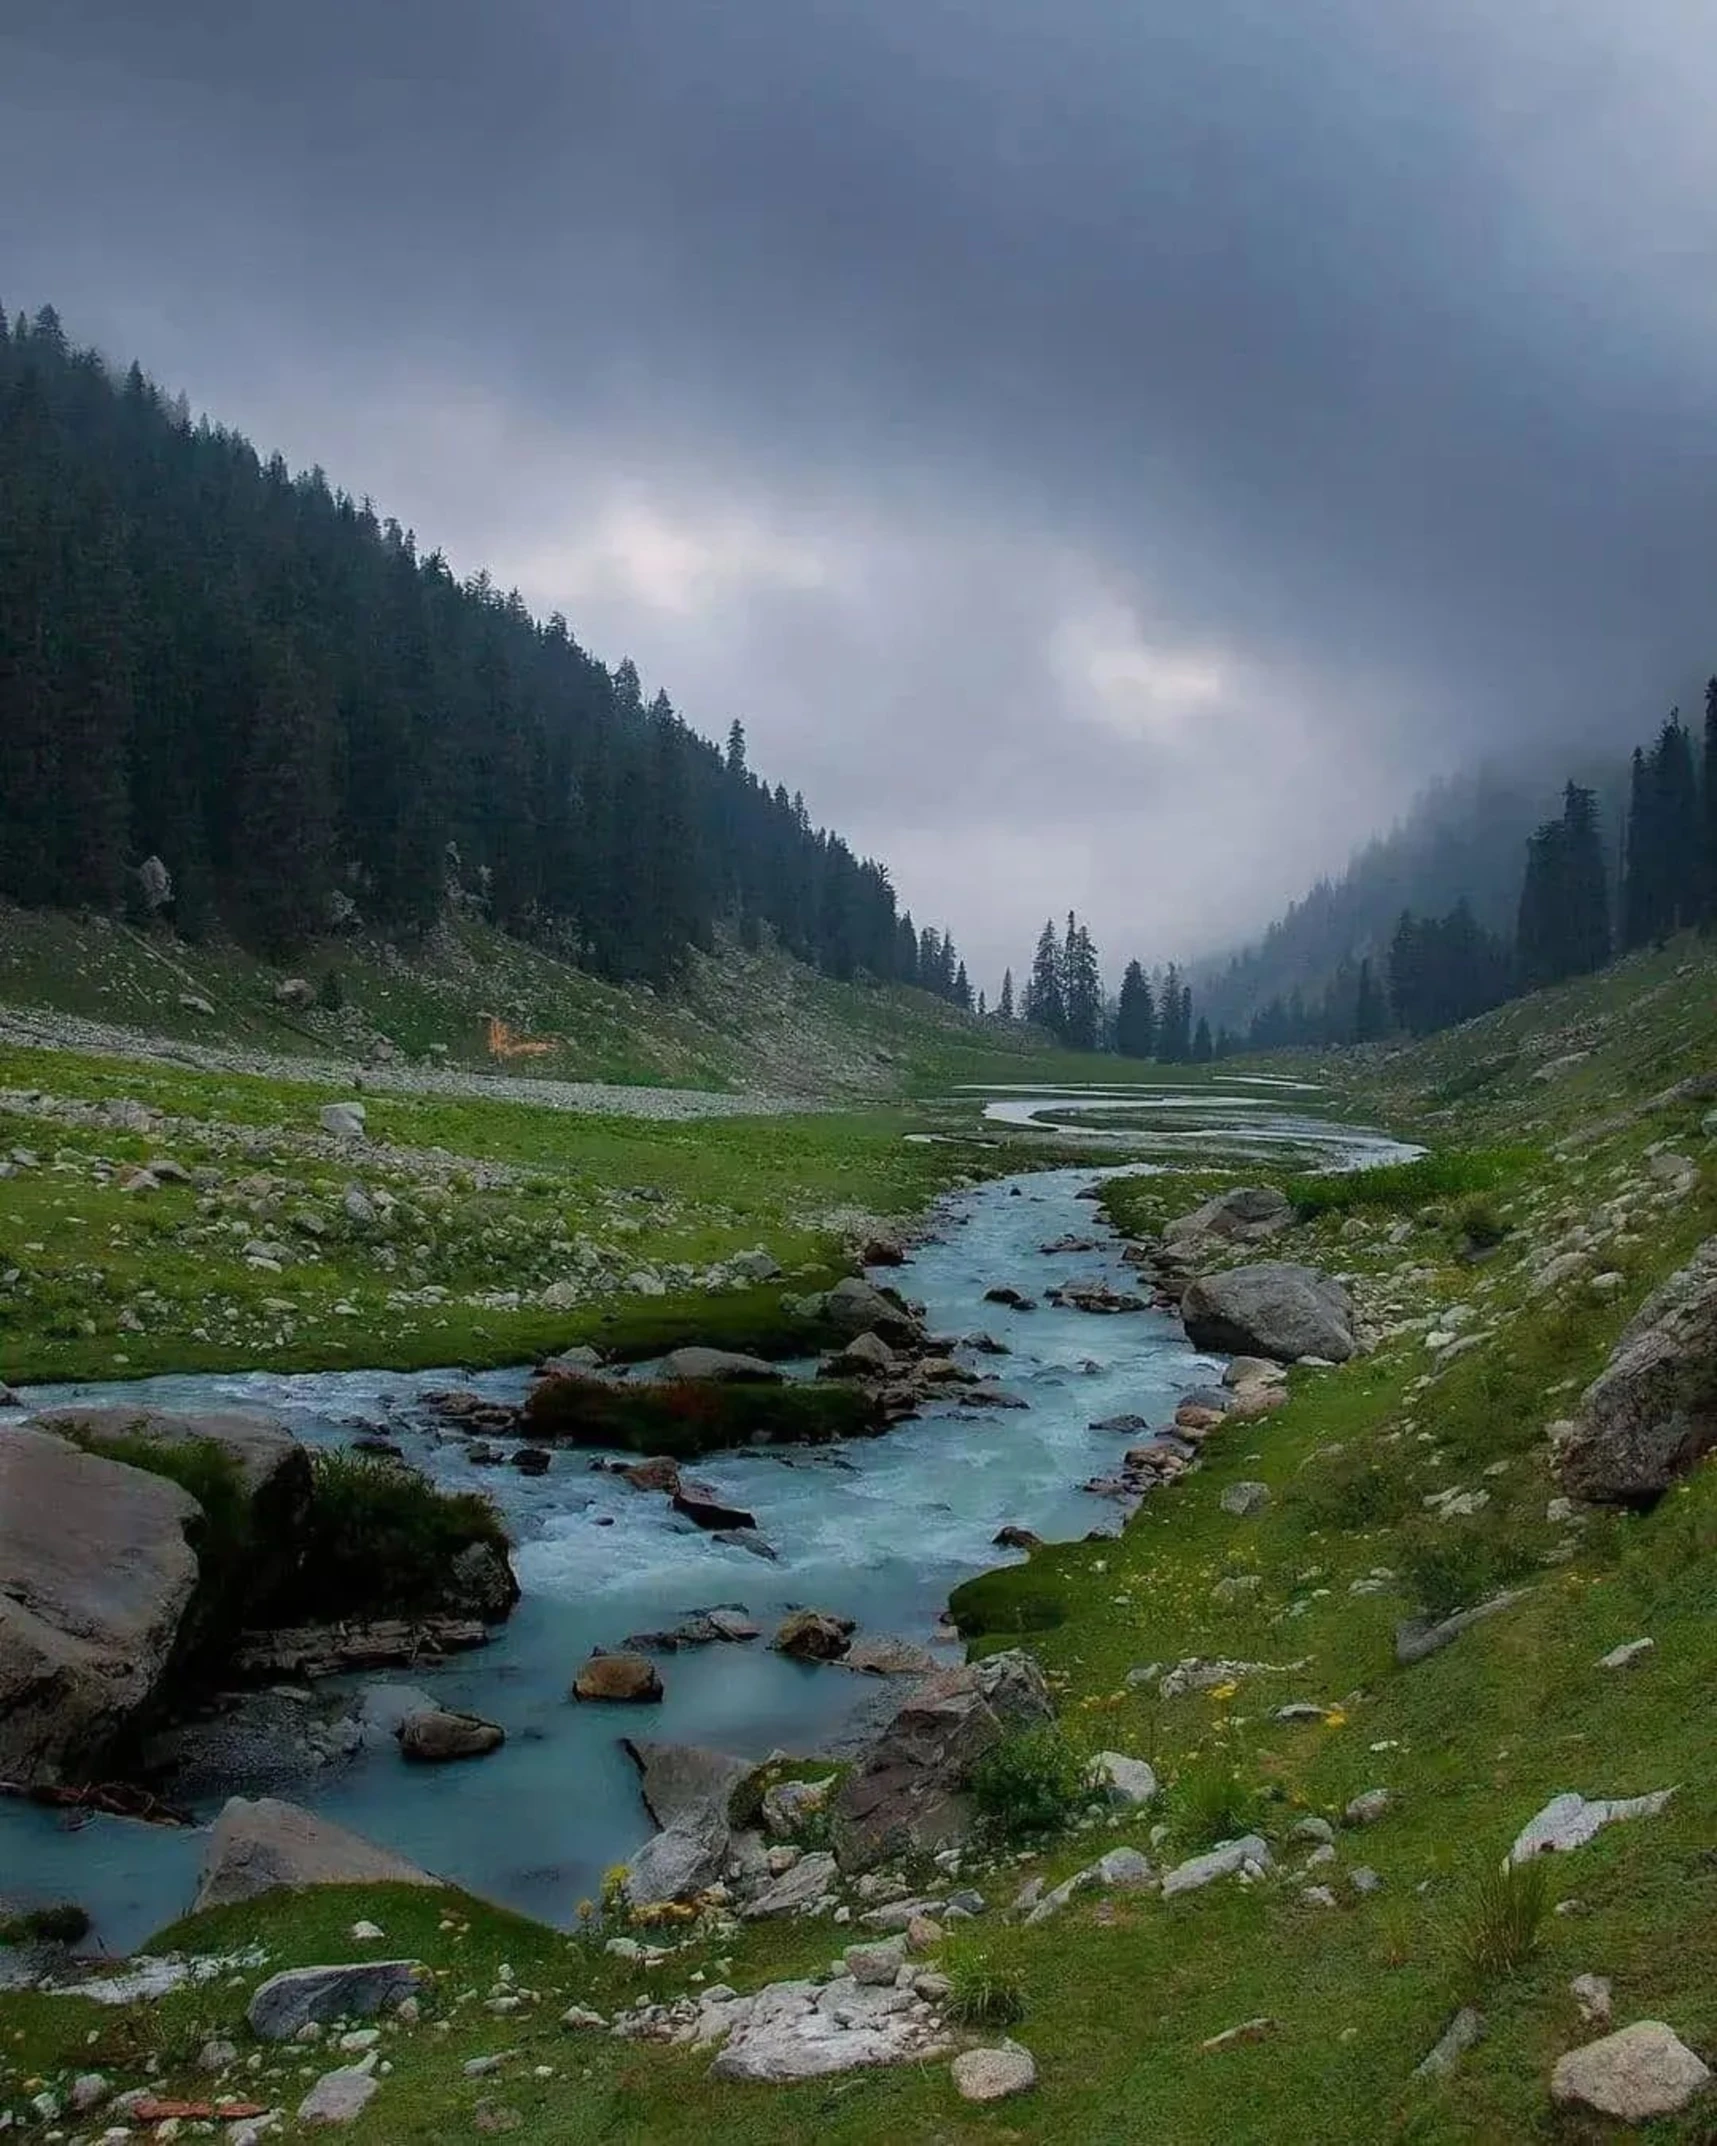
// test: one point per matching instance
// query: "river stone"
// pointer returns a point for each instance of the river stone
(879, 1654)
(719, 1367)
(813, 1636)
(855, 1306)
(341, 2097)
(1651, 1413)
(1638, 2073)
(626, 1677)
(433, 1734)
(363, 1990)
(256, 1846)
(1272, 1309)
(96, 1575)
(866, 1356)
(1568, 1821)
(704, 1510)
(908, 1791)
(994, 2074)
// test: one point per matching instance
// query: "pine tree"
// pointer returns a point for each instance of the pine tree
(1082, 988)
(1370, 1014)
(1044, 1004)
(1202, 1048)
(962, 988)
(1136, 1015)
(1005, 1004)
(1711, 804)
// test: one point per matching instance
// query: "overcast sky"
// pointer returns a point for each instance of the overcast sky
(1109, 452)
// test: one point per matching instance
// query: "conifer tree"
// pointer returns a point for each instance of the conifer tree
(1136, 1015)
(1044, 1004)
(1005, 1004)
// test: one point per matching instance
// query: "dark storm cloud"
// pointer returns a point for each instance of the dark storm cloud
(1108, 453)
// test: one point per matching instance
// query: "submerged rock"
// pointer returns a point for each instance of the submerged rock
(628, 1678)
(813, 1636)
(433, 1734)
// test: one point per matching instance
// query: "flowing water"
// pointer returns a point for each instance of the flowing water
(878, 1530)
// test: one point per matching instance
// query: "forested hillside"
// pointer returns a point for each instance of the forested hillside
(236, 697)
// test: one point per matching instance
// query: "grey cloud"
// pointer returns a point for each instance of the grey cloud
(1347, 368)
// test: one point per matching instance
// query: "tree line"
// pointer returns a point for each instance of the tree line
(236, 697)
(1063, 993)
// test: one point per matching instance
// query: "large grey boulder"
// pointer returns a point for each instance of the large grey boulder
(909, 1791)
(1272, 1309)
(680, 1861)
(1226, 1860)
(803, 2030)
(96, 1575)
(1245, 1215)
(1652, 1411)
(855, 1306)
(256, 1846)
(362, 1990)
(677, 1780)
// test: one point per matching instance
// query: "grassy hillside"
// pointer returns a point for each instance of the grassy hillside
(745, 1021)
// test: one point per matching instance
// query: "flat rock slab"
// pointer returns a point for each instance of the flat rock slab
(1642, 2071)
(340, 2097)
(364, 1989)
(803, 2030)
(800, 1888)
(1222, 1861)
(256, 1846)
(1569, 1821)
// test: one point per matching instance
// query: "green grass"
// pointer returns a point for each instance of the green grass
(1403, 1187)
(691, 1417)
(379, 1540)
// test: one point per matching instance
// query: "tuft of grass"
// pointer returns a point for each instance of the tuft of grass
(1031, 1784)
(62, 1923)
(1210, 1803)
(1449, 1173)
(1481, 1225)
(1499, 1926)
(380, 1539)
(986, 1982)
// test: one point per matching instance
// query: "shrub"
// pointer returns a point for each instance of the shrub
(986, 1983)
(1208, 1804)
(1499, 1927)
(380, 1538)
(1030, 1784)
(65, 1923)
(1481, 1225)
(1353, 1490)
(1448, 1570)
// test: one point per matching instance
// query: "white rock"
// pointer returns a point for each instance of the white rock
(1128, 1781)
(1642, 2071)
(994, 2074)
(1629, 1651)
(1592, 1994)
(340, 2097)
(1568, 1821)
(1222, 1861)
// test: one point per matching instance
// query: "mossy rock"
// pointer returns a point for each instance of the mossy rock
(1018, 1598)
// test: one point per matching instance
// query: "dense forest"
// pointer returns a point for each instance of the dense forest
(234, 697)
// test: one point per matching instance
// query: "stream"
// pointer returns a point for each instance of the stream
(879, 1530)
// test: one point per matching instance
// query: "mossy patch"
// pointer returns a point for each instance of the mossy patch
(687, 1417)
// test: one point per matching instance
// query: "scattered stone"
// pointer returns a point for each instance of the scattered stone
(994, 2074)
(705, 1511)
(340, 2097)
(799, 1889)
(1016, 1538)
(436, 1734)
(1223, 1861)
(1568, 1821)
(878, 1964)
(1315, 1829)
(1638, 2073)
(719, 1367)
(1592, 1994)
(1014, 1299)
(1364, 1879)
(1465, 2031)
(1366, 1809)
(1245, 1500)
(1630, 1651)
(1249, 2030)
(1126, 1781)
(1415, 1639)
(625, 1678)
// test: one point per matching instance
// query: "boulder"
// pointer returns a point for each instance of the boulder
(908, 1791)
(880, 1654)
(1245, 1500)
(676, 1780)
(296, 991)
(365, 1989)
(1272, 1309)
(803, 2030)
(855, 1306)
(796, 1890)
(256, 1846)
(1124, 1780)
(1651, 1413)
(480, 1583)
(1014, 1537)
(1223, 1861)
(1014, 1299)
(717, 1367)
(656, 1474)
(1568, 1821)
(344, 1120)
(341, 2097)
(866, 1356)
(883, 1251)
(433, 1734)
(682, 1860)
(625, 1677)
(813, 1636)
(96, 1575)
(1638, 2073)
